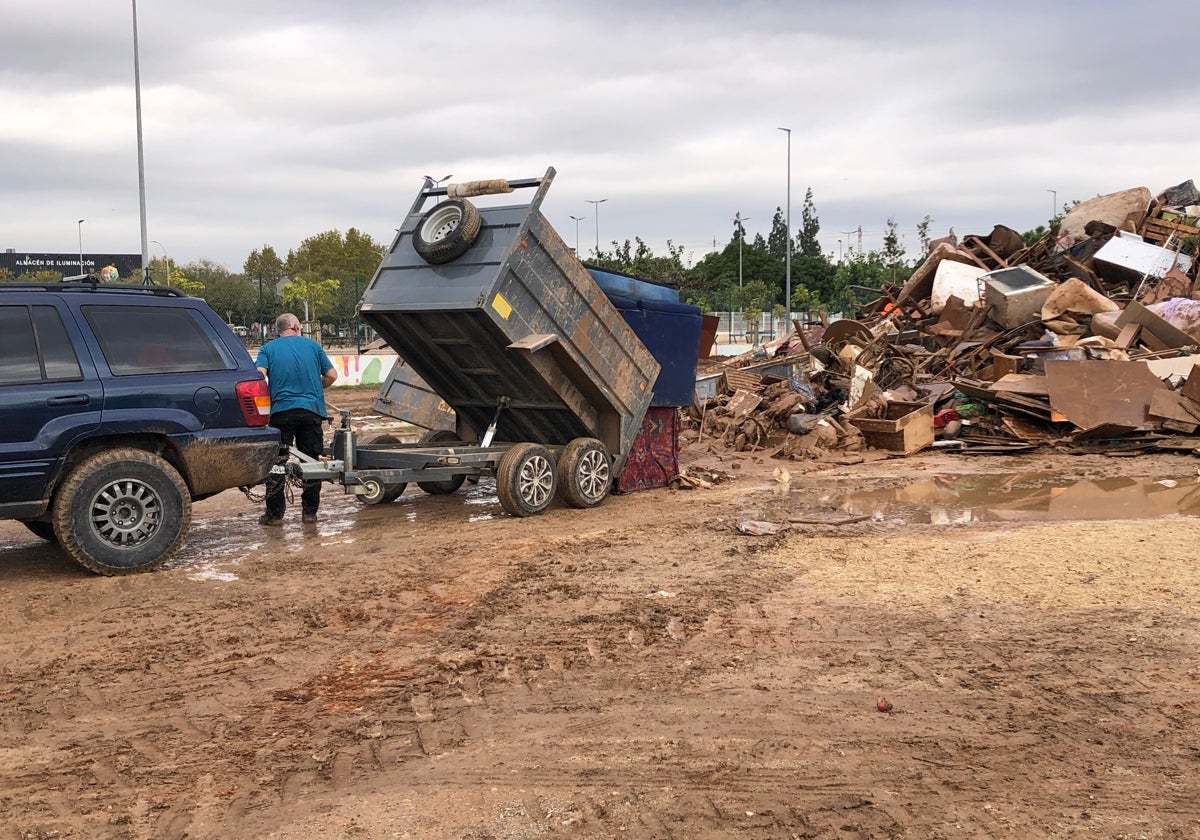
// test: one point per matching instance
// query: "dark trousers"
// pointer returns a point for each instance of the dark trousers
(303, 429)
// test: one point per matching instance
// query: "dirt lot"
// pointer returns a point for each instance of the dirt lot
(435, 669)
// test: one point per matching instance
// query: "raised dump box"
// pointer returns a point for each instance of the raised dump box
(506, 324)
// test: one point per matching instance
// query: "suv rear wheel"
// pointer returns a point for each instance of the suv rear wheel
(122, 511)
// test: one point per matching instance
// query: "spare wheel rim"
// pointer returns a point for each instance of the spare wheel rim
(442, 222)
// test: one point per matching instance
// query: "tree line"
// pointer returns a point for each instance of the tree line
(749, 275)
(324, 277)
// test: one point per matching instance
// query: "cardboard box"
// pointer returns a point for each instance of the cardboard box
(905, 427)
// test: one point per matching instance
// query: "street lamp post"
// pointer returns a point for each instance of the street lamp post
(1053, 203)
(81, 221)
(577, 220)
(741, 235)
(137, 98)
(166, 258)
(432, 183)
(597, 202)
(787, 271)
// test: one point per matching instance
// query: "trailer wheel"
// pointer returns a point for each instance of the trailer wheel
(122, 510)
(525, 479)
(585, 473)
(379, 493)
(450, 485)
(447, 231)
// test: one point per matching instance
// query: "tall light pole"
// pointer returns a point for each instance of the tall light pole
(741, 235)
(577, 220)
(597, 202)
(431, 183)
(1053, 203)
(137, 98)
(81, 221)
(166, 258)
(787, 271)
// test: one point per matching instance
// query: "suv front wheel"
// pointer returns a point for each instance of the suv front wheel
(122, 511)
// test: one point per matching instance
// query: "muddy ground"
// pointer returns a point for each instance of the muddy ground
(436, 669)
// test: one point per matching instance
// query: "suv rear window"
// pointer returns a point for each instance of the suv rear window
(138, 339)
(25, 329)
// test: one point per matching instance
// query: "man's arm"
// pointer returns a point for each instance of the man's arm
(263, 371)
(328, 377)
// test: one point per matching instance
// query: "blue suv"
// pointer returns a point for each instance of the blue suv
(120, 406)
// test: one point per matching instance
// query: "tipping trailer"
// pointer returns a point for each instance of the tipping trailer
(495, 313)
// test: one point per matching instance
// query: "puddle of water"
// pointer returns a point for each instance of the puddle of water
(212, 548)
(482, 497)
(1024, 497)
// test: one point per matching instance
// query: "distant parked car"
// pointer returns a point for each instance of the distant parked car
(121, 406)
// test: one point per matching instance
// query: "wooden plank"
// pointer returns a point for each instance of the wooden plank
(1022, 383)
(1102, 392)
(1191, 385)
(1129, 334)
(1165, 333)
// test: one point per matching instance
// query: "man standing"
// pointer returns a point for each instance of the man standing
(298, 372)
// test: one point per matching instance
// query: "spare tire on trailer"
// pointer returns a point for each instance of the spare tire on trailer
(446, 231)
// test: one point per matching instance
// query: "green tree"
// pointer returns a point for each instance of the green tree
(265, 264)
(923, 234)
(777, 239)
(264, 270)
(638, 260)
(233, 296)
(754, 296)
(179, 279)
(352, 259)
(807, 244)
(861, 277)
(6, 276)
(41, 276)
(893, 248)
(320, 296)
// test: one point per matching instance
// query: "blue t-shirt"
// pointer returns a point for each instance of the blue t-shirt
(294, 366)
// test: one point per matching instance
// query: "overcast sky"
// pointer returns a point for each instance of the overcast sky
(267, 121)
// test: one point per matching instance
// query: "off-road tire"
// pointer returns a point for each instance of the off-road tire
(526, 479)
(584, 473)
(446, 231)
(45, 530)
(449, 485)
(121, 511)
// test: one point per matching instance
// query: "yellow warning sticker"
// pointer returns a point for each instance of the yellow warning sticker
(503, 308)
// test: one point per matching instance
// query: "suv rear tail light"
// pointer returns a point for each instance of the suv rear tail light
(254, 399)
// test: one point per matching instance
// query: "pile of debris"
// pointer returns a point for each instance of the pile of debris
(1087, 338)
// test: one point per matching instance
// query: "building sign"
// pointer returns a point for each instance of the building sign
(127, 265)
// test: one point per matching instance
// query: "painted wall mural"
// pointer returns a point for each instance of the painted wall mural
(362, 370)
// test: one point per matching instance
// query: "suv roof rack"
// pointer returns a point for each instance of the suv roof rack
(85, 286)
